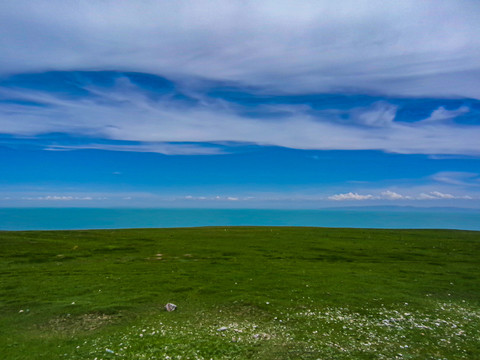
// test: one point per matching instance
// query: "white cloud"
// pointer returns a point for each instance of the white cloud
(436, 195)
(460, 178)
(354, 46)
(128, 114)
(161, 148)
(384, 195)
(424, 196)
(380, 114)
(58, 198)
(391, 195)
(412, 48)
(440, 195)
(350, 196)
(442, 114)
(215, 198)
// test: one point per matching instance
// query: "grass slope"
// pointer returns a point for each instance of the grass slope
(242, 292)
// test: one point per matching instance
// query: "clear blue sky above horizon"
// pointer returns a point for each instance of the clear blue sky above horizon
(240, 104)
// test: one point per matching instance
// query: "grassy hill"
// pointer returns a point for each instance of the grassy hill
(241, 292)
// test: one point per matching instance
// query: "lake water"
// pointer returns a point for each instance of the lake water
(86, 218)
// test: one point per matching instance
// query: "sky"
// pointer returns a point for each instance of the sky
(248, 104)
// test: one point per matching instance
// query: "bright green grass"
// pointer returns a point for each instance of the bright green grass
(276, 293)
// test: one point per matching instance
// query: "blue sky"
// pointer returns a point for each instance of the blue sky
(277, 104)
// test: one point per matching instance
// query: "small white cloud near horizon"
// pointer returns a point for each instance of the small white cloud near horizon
(215, 198)
(433, 195)
(59, 198)
(391, 195)
(350, 196)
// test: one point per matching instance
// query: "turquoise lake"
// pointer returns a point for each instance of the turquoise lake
(94, 218)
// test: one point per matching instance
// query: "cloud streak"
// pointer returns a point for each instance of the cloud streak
(164, 123)
(466, 179)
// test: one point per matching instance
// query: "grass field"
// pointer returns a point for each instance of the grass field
(242, 293)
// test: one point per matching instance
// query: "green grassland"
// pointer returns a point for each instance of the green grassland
(241, 292)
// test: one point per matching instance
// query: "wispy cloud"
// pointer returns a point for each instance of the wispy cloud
(406, 48)
(442, 114)
(460, 178)
(172, 125)
(380, 115)
(266, 49)
(161, 148)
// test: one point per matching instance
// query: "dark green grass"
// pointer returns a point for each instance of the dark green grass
(282, 293)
